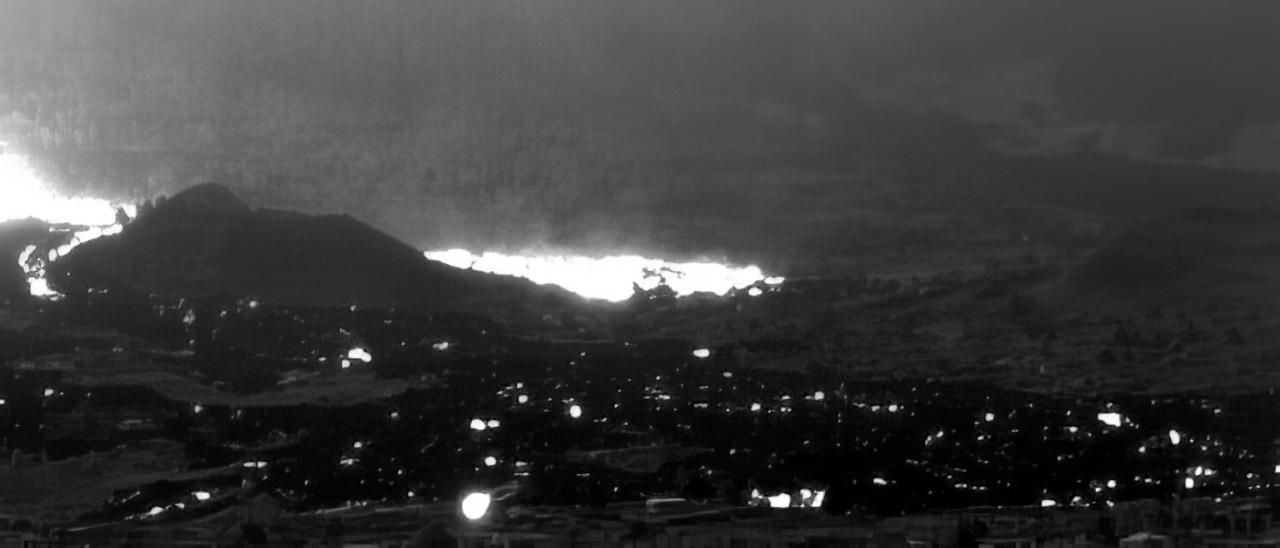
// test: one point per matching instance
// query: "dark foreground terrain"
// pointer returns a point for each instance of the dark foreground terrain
(1070, 377)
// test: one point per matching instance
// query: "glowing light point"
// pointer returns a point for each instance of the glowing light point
(820, 395)
(1111, 484)
(478, 425)
(991, 417)
(1048, 503)
(155, 511)
(755, 292)
(522, 399)
(1189, 483)
(441, 346)
(1110, 418)
(493, 423)
(780, 501)
(702, 353)
(879, 481)
(575, 411)
(201, 495)
(490, 461)
(359, 354)
(475, 505)
(1174, 437)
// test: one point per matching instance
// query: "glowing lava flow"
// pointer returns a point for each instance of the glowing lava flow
(23, 195)
(611, 278)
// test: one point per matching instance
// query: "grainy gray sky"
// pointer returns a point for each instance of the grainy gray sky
(399, 108)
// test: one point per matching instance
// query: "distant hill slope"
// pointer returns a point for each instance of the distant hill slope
(206, 241)
(1200, 252)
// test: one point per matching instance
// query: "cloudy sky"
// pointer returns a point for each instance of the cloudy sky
(409, 110)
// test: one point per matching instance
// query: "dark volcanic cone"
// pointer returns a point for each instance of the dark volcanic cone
(207, 242)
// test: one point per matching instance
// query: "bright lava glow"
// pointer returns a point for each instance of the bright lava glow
(475, 505)
(613, 277)
(23, 194)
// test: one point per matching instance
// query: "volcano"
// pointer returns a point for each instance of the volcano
(205, 241)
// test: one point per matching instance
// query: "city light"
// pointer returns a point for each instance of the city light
(1111, 418)
(359, 354)
(475, 506)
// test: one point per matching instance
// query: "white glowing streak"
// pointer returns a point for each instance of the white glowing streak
(612, 277)
(23, 194)
(475, 505)
(780, 501)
